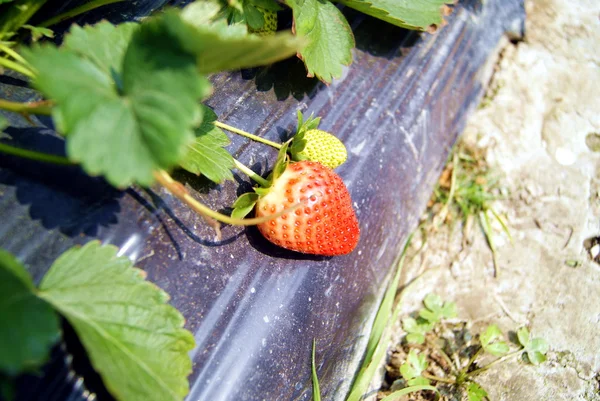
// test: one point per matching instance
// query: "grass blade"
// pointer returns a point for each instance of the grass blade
(412, 389)
(378, 341)
(315, 379)
(385, 309)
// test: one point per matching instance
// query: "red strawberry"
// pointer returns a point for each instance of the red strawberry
(324, 225)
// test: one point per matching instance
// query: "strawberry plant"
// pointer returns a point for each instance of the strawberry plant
(117, 315)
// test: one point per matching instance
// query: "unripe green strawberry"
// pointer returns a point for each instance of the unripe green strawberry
(325, 224)
(270, 25)
(324, 148)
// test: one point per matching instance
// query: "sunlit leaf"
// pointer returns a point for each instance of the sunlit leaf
(134, 339)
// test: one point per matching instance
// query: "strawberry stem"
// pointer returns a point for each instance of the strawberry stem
(13, 65)
(42, 107)
(16, 56)
(180, 192)
(246, 170)
(247, 135)
(33, 155)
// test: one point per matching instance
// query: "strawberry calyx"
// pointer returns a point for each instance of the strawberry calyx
(246, 202)
(313, 144)
(299, 142)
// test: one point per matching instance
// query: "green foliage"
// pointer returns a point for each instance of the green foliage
(38, 32)
(412, 369)
(330, 38)
(535, 348)
(435, 309)
(218, 46)
(118, 316)
(491, 341)
(380, 333)
(298, 142)
(458, 357)
(206, 154)
(29, 325)
(475, 392)
(416, 329)
(126, 112)
(402, 13)
(244, 205)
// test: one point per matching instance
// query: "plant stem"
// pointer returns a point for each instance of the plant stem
(13, 54)
(33, 155)
(247, 135)
(251, 173)
(441, 352)
(463, 371)
(489, 365)
(16, 67)
(76, 11)
(180, 192)
(43, 107)
(438, 379)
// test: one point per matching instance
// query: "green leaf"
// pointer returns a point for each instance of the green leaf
(298, 142)
(29, 325)
(536, 350)
(523, 336)
(416, 329)
(436, 309)
(498, 348)
(254, 18)
(244, 205)
(475, 392)
(281, 163)
(538, 344)
(418, 361)
(330, 38)
(206, 154)
(103, 44)
(418, 381)
(403, 13)
(123, 126)
(37, 32)
(415, 338)
(491, 341)
(270, 5)
(407, 371)
(413, 367)
(536, 357)
(3, 123)
(219, 46)
(133, 338)
(491, 333)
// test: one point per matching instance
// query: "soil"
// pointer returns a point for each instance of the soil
(540, 129)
